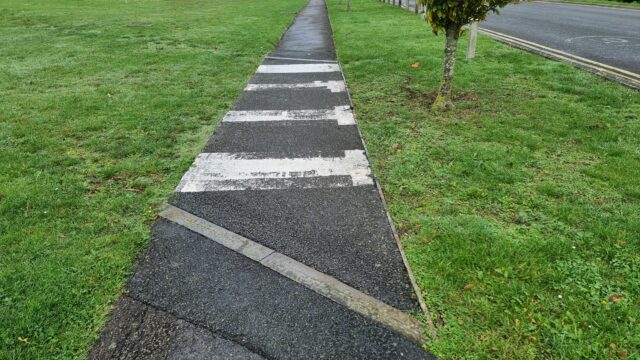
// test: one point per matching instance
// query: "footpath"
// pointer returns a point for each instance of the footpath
(277, 243)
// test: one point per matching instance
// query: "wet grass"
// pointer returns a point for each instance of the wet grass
(519, 210)
(103, 106)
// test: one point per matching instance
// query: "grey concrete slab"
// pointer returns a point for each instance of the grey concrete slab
(607, 35)
(343, 232)
(139, 331)
(292, 138)
(200, 281)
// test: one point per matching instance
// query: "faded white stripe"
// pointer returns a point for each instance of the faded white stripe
(342, 114)
(321, 283)
(334, 86)
(242, 171)
(298, 68)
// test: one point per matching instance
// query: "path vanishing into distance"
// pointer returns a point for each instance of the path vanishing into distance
(277, 243)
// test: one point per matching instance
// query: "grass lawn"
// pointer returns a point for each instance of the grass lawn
(104, 105)
(519, 210)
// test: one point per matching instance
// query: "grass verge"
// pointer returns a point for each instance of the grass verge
(104, 105)
(519, 210)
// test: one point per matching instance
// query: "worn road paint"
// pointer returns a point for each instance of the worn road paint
(342, 114)
(247, 171)
(334, 86)
(321, 283)
(298, 68)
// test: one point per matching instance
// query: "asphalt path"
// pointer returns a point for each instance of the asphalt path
(285, 169)
(607, 35)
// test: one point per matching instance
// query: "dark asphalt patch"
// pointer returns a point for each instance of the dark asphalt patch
(264, 78)
(343, 232)
(139, 331)
(198, 280)
(292, 138)
(286, 99)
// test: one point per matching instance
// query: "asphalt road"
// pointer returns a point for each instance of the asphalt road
(607, 35)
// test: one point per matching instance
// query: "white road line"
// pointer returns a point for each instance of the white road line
(342, 114)
(243, 171)
(312, 279)
(298, 68)
(334, 86)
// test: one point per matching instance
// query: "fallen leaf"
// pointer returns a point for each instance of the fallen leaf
(468, 286)
(535, 298)
(396, 146)
(616, 298)
(23, 339)
(415, 65)
(623, 354)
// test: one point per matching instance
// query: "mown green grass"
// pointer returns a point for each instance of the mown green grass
(519, 210)
(103, 106)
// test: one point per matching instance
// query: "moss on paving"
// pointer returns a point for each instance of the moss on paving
(519, 210)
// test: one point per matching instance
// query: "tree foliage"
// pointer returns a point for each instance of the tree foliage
(444, 14)
(450, 16)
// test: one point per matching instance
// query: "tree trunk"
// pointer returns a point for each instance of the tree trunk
(443, 100)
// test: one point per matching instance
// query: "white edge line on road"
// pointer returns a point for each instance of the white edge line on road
(342, 114)
(297, 68)
(320, 283)
(333, 86)
(624, 8)
(623, 76)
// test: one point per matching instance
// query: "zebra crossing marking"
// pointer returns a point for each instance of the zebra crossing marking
(298, 68)
(247, 171)
(333, 86)
(342, 114)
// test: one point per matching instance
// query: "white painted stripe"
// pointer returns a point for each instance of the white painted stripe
(298, 68)
(243, 171)
(342, 114)
(334, 86)
(312, 279)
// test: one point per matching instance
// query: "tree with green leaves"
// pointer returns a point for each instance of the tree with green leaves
(449, 16)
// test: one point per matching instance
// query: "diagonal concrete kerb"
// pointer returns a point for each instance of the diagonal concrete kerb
(277, 244)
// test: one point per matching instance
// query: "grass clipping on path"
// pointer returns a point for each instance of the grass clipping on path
(104, 105)
(520, 209)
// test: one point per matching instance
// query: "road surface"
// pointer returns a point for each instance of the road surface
(607, 35)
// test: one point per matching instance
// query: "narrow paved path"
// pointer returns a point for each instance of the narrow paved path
(277, 244)
(606, 35)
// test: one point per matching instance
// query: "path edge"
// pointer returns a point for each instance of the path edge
(405, 261)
